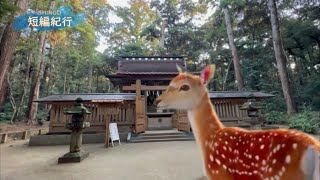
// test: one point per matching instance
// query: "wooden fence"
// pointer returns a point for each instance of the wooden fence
(228, 110)
(121, 113)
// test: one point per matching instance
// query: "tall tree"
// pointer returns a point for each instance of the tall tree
(7, 46)
(280, 57)
(35, 86)
(235, 56)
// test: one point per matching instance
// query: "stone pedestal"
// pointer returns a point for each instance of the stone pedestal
(73, 157)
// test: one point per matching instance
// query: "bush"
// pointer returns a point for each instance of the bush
(306, 121)
(276, 117)
(7, 114)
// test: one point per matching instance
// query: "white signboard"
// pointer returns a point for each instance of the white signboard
(114, 134)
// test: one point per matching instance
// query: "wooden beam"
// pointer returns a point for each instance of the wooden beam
(144, 88)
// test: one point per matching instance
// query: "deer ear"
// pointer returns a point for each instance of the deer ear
(179, 68)
(207, 73)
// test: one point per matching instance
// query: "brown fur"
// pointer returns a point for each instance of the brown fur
(234, 153)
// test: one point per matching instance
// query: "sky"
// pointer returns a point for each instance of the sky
(198, 20)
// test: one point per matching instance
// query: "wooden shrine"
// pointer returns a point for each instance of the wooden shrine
(141, 80)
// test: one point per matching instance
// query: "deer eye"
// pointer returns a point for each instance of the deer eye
(184, 88)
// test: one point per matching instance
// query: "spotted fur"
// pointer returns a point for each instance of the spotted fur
(235, 153)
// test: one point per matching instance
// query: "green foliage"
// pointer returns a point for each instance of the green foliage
(306, 121)
(7, 114)
(311, 93)
(276, 117)
(7, 11)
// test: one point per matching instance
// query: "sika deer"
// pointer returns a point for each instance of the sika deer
(235, 153)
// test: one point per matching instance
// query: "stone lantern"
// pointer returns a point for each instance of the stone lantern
(77, 124)
(253, 109)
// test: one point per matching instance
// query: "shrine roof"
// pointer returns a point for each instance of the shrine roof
(238, 94)
(112, 97)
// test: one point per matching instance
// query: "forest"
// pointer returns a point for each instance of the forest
(271, 46)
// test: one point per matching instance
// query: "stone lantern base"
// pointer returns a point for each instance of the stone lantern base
(73, 157)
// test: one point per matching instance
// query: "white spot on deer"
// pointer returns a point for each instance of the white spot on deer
(251, 145)
(249, 156)
(270, 169)
(288, 159)
(262, 146)
(213, 171)
(276, 177)
(226, 134)
(255, 172)
(263, 162)
(217, 152)
(218, 161)
(274, 161)
(283, 145)
(294, 145)
(209, 166)
(226, 142)
(211, 157)
(257, 157)
(224, 147)
(224, 167)
(230, 149)
(223, 156)
(216, 144)
(260, 139)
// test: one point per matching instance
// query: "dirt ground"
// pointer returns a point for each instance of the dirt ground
(6, 127)
(140, 161)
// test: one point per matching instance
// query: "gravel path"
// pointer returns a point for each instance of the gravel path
(141, 161)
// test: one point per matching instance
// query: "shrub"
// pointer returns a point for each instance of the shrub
(306, 121)
(276, 117)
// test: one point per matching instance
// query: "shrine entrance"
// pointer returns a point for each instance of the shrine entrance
(148, 77)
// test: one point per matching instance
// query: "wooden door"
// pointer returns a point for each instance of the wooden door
(183, 122)
(141, 118)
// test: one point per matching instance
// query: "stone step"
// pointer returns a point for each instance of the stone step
(162, 140)
(162, 136)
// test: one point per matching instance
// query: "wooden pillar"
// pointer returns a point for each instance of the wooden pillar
(107, 137)
(138, 87)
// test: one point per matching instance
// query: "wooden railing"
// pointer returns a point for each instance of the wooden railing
(229, 110)
(121, 113)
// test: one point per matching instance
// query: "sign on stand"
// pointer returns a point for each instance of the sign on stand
(114, 134)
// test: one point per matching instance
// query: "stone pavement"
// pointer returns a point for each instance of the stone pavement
(142, 161)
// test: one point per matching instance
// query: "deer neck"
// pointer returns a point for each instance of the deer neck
(204, 120)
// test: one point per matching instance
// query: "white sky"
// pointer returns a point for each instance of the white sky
(198, 20)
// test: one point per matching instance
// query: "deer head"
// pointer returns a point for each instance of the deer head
(185, 90)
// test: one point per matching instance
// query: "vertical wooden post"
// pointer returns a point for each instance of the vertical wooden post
(138, 87)
(108, 116)
(4, 138)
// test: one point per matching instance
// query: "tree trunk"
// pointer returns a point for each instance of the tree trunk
(8, 44)
(2, 28)
(236, 60)
(35, 86)
(3, 95)
(90, 77)
(280, 57)
(163, 27)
